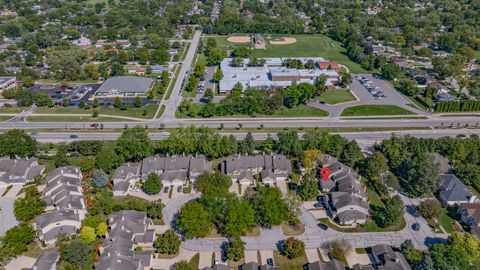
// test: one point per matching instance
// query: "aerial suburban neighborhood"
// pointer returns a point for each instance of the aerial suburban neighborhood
(239, 135)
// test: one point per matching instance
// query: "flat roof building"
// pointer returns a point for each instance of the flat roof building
(272, 74)
(124, 86)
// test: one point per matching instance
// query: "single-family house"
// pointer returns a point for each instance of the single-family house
(452, 191)
(330, 265)
(386, 259)
(259, 42)
(470, 214)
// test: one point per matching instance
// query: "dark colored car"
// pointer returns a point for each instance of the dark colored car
(323, 226)
(165, 190)
(416, 227)
(73, 136)
(179, 189)
(270, 261)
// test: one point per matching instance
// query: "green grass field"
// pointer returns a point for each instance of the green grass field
(298, 111)
(89, 119)
(289, 264)
(306, 46)
(13, 109)
(337, 96)
(373, 110)
(129, 112)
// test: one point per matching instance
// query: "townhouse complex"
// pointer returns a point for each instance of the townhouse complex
(173, 171)
(270, 168)
(66, 207)
(129, 229)
(347, 201)
(19, 171)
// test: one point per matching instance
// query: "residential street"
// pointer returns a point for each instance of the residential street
(314, 237)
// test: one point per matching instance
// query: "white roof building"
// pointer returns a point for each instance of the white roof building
(271, 74)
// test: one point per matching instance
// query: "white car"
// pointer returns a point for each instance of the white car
(165, 133)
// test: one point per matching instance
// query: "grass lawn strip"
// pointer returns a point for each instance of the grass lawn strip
(289, 264)
(298, 111)
(337, 96)
(86, 119)
(105, 111)
(375, 110)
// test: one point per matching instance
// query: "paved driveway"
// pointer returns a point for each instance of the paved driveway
(251, 256)
(21, 262)
(266, 254)
(7, 218)
(205, 259)
(312, 255)
(171, 207)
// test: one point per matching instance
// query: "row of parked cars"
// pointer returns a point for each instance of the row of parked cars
(368, 84)
(201, 85)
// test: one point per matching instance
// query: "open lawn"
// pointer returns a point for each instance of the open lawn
(298, 111)
(337, 96)
(306, 46)
(289, 264)
(368, 110)
(150, 110)
(5, 118)
(89, 119)
(12, 109)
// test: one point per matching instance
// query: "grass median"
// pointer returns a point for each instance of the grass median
(375, 110)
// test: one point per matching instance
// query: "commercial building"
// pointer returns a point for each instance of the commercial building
(273, 73)
(125, 87)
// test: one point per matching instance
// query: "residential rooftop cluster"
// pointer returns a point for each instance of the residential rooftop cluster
(129, 229)
(19, 171)
(347, 200)
(173, 171)
(66, 206)
(273, 73)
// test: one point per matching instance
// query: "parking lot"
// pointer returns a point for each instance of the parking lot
(389, 94)
(75, 93)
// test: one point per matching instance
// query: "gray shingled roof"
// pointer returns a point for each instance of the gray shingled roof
(452, 189)
(331, 265)
(125, 84)
(46, 260)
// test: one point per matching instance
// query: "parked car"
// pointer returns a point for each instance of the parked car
(416, 227)
(165, 190)
(270, 262)
(323, 226)
(179, 189)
